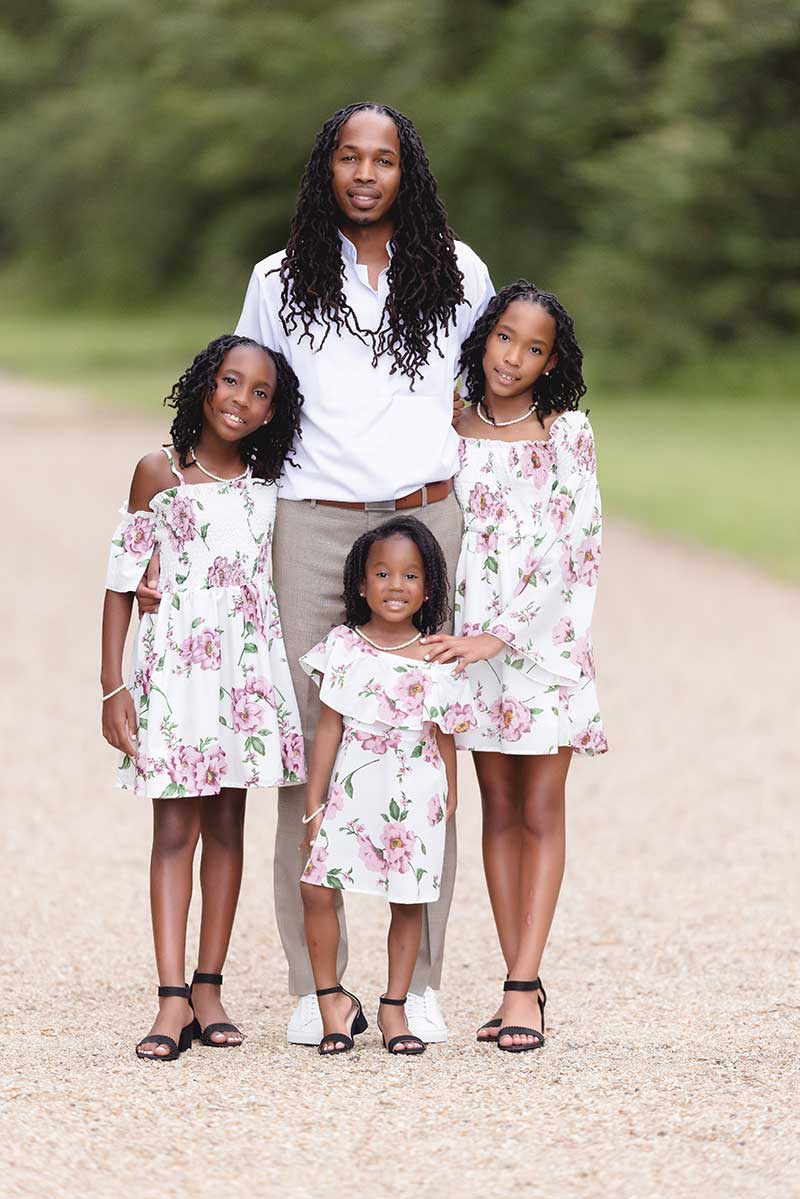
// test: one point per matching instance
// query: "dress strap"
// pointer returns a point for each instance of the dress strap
(171, 462)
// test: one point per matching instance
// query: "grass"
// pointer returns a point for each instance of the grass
(123, 360)
(709, 454)
(718, 474)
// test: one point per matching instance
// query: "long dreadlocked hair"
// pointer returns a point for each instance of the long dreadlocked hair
(559, 391)
(434, 611)
(425, 283)
(266, 450)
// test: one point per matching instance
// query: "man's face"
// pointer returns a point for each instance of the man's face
(366, 168)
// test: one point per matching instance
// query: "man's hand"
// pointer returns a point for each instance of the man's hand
(148, 597)
(442, 648)
(458, 406)
(119, 722)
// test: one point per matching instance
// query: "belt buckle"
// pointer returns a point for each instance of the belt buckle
(381, 506)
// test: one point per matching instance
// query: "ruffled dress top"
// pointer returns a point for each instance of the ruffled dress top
(528, 574)
(383, 829)
(209, 675)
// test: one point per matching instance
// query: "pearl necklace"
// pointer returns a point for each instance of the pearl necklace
(502, 424)
(218, 478)
(387, 648)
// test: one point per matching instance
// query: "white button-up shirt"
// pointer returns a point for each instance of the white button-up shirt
(366, 435)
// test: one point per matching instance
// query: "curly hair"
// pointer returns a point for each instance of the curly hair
(435, 610)
(425, 282)
(559, 391)
(264, 451)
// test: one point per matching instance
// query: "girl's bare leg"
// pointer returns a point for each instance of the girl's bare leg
(541, 873)
(405, 931)
(501, 798)
(222, 834)
(321, 920)
(176, 828)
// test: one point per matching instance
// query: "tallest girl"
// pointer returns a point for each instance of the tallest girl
(370, 303)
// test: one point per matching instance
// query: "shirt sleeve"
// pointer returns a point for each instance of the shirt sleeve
(259, 317)
(131, 549)
(315, 661)
(549, 618)
(478, 291)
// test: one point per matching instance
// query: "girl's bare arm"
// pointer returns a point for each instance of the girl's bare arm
(447, 748)
(323, 754)
(119, 714)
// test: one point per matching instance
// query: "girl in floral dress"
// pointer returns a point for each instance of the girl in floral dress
(382, 776)
(209, 710)
(526, 583)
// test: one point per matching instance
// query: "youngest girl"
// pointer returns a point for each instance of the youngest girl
(383, 767)
(210, 709)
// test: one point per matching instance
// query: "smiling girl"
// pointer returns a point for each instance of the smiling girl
(210, 709)
(526, 585)
(382, 777)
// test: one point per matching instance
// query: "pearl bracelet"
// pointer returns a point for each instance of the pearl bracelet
(116, 691)
(308, 819)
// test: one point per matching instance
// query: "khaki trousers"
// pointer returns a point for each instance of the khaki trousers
(311, 542)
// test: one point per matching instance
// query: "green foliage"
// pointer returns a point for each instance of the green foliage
(637, 155)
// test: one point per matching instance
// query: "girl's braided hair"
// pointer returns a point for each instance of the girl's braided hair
(559, 391)
(266, 450)
(435, 610)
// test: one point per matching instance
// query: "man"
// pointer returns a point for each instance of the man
(370, 302)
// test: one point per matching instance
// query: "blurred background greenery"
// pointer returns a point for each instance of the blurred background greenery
(640, 157)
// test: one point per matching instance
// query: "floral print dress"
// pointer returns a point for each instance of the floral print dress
(528, 574)
(384, 824)
(209, 677)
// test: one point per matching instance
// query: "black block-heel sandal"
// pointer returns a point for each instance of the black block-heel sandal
(358, 1024)
(158, 1038)
(419, 1046)
(509, 1030)
(203, 1035)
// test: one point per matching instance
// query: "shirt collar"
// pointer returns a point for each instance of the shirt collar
(351, 254)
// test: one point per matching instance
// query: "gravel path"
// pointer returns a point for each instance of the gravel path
(671, 1059)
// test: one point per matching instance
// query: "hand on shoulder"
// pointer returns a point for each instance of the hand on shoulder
(465, 421)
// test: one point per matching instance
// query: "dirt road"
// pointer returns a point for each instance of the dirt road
(672, 1050)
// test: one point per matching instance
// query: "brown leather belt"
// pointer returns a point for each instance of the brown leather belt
(430, 493)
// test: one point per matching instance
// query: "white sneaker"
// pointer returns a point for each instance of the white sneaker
(424, 1016)
(305, 1024)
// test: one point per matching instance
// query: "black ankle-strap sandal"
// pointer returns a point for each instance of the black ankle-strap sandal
(418, 1045)
(510, 1030)
(495, 1022)
(358, 1024)
(203, 1035)
(158, 1038)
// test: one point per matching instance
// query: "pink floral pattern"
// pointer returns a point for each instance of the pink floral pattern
(210, 679)
(383, 828)
(528, 573)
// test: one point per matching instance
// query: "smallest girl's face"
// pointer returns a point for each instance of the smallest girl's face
(243, 398)
(519, 349)
(394, 585)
